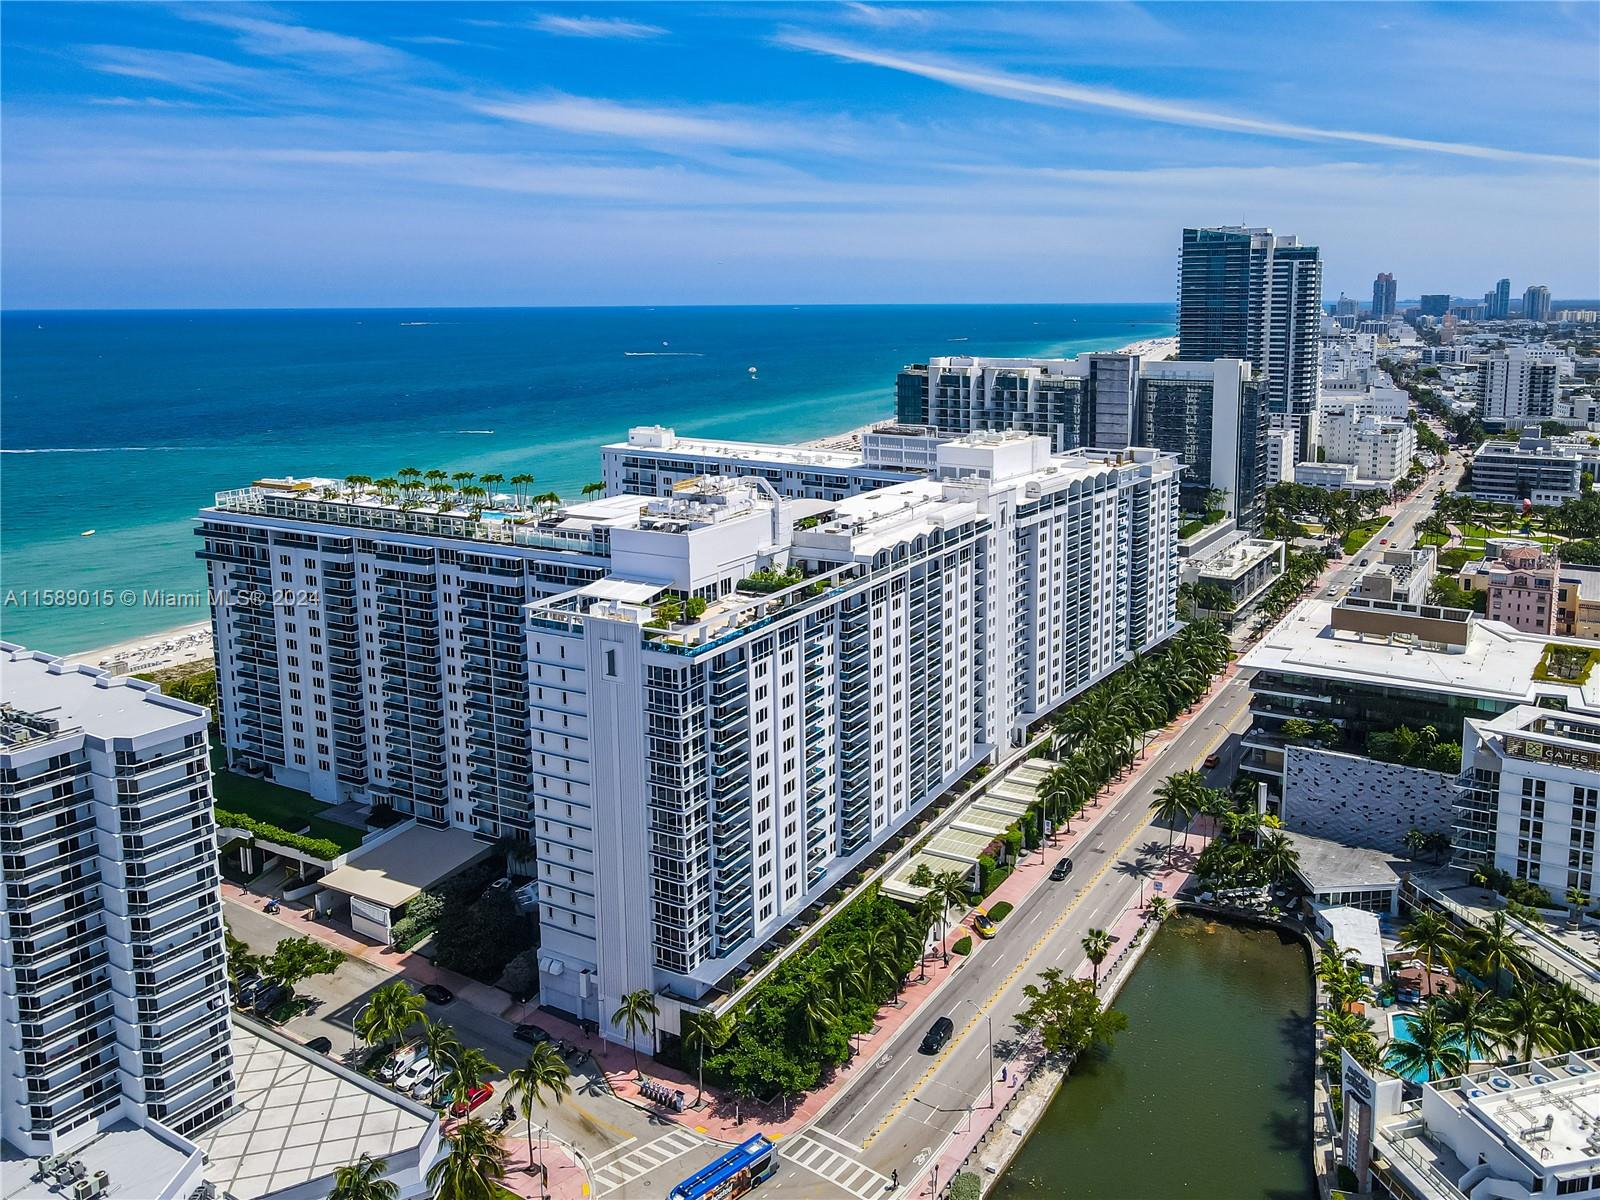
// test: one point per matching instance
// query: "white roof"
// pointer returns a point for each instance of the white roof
(79, 696)
(393, 872)
(1355, 930)
(626, 590)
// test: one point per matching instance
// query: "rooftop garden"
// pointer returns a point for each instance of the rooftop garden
(277, 813)
(1566, 664)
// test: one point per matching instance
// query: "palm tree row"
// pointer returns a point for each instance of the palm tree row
(412, 488)
(1100, 733)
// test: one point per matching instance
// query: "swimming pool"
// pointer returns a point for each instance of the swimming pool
(1400, 1030)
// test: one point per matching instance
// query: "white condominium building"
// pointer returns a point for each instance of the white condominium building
(1518, 386)
(115, 990)
(1529, 794)
(1379, 448)
(702, 709)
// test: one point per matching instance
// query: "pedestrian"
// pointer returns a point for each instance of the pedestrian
(894, 1178)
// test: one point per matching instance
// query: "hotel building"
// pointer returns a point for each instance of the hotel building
(1211, 415)
(115, 983)
(702, 709)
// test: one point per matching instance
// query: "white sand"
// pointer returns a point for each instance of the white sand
(1152, 348)
(187, 643)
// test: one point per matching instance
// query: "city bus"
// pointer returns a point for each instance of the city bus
(732, 1175)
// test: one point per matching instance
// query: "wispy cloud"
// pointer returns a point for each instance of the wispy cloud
(177, 68)
(607, 118)
(1061, 93)
(885, 16)
(285, 40)
(430, 39)
(594, 27)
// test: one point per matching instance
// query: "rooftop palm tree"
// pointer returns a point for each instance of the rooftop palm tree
(1431, 1052)
(491, 480)
(1524, 1022)
(1472, 1014)
(521, 483)
(1096, 945)
(1430, 934)
(527, 1086)
(635, 1015)
(474, 1166)
(593, 489)
(364, 1180)
(705, 1030)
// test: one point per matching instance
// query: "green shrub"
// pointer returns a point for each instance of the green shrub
(320, 848)
(965, 1186)
(1000, 911)
(963, 945)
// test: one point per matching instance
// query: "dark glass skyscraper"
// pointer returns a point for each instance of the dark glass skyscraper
(1383, 291)
(1246, 293)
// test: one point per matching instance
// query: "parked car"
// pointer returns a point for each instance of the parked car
(269, 997)
(938, 1034)
(1365, 561)
(428, 1083)
(320, 1045)
(1383, 541)
(982, 925)
(417, 1069)
(1212, 760)
(532, 1034)
(476, 1097)
(398, 1062)
(437, 993)
(245, 987)
(1061, 870)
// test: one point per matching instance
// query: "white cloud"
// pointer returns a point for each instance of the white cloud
(282, 39)
(607, 118)
(594, 27)
(885, 16)
(1034, 90)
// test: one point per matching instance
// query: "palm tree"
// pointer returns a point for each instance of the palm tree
(1096, 945)
(1430, 933)
(1577, 900)
(1431, 1052)
(522, 483)
(364, 1180)
(1575, 1020)
(635, 1015)
(490, 480)
(842, 974)
(929, 911)
(441, 1042)
(879, 963)
(818, 1015)
(1277, 856)
(951, 889)
(1177, 799)
(544, 1074)
(474, 1167)
(1524, 1022)
(390, 1014)
(705, 1030)
(593, 489)
(1472, 1013)
(468, 1068)
(1495, 949)
(1159, 909)
(1345, 1030)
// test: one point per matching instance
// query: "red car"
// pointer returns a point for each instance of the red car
(475, 1098)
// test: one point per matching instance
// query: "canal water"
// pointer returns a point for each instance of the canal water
(1206, 1094)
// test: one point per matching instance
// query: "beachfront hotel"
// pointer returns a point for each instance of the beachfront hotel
(115, 996)
(1211, 415)
(701, 708)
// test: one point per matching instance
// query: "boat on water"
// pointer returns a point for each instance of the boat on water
(87, 533)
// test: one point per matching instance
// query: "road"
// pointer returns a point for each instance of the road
(896, 1115)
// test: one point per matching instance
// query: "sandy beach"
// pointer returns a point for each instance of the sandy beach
(1152, 348)
(187, 643)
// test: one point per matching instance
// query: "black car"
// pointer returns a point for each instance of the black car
(269, 997)
(531, 1034)
(320, 1045)
(1061, 870)
(437, 993)
(938, 1034)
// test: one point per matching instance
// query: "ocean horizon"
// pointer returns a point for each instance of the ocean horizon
(127, 422)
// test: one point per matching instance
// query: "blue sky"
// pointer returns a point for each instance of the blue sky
(193, 155)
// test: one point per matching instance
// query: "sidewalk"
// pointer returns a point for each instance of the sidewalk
(953, 1156)
(567, 1180)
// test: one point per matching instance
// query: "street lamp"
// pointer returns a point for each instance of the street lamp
(989, 1022)
(355, 1029)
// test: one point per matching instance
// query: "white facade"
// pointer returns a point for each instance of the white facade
(1529, 800)
(1517, 386)
(114, 1005)
(1379, 448)
(1281, 456)
(689, 786)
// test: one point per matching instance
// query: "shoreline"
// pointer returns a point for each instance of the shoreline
(192, 642)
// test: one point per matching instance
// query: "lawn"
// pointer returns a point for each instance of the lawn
(284, 807)
(1566, 664)
(1432, 539)
(1363, 533)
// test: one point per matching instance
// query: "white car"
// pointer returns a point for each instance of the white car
(397, 1063)
(420, 1068)
(424, 1088)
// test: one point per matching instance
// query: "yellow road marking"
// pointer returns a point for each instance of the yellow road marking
(994, 996)
(594, 1120)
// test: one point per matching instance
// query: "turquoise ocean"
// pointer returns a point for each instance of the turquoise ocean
(127, 423)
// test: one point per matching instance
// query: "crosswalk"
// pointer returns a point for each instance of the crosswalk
(851, 1177)
(623, 1169)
